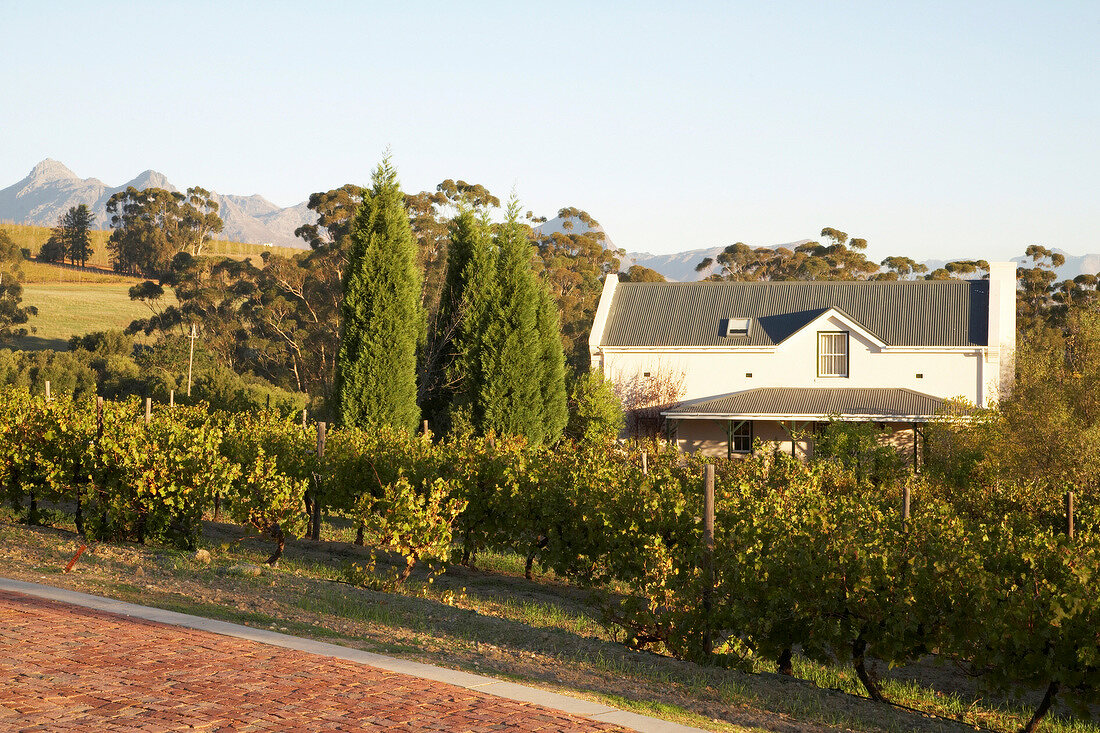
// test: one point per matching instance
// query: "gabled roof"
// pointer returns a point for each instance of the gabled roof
(918, 313)
(813, 403)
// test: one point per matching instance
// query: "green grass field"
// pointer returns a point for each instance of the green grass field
(44, 273)
(33, 237)
(74, 309)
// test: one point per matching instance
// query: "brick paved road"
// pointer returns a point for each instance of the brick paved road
(67, 668)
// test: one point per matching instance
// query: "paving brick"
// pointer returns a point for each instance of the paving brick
(68, 668)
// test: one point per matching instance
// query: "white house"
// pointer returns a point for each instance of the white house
(773, 360)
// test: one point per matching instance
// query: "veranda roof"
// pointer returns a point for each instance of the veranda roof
(813, 403)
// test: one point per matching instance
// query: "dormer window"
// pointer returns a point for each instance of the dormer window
(735, 327)
(832, 353)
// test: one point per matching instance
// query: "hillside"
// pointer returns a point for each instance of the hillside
(32, 237)
(50, 189)
(74, 309)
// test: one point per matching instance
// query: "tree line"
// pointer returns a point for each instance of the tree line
(280, 319)
(284, 318)
(495, 358)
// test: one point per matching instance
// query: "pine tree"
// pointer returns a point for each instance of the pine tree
(384, 321)
(76, 225)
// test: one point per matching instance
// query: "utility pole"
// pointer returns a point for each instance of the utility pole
(191, 359)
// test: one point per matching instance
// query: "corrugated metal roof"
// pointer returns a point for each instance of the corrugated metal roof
(819, 402)
(919, 313)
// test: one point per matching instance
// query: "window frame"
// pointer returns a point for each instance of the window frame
(747, 427)
(847, 354)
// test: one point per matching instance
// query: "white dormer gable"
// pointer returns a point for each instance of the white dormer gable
(830, 320)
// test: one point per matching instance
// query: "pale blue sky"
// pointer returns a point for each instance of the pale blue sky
(931, 129)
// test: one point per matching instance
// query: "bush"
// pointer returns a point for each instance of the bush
(595, 411)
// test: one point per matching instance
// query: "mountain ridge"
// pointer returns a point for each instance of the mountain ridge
(51, 188)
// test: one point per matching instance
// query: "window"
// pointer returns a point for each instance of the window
(832, 354)
(740, 434)
(735, 327)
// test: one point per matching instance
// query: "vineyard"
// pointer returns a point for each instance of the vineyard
(810, 560)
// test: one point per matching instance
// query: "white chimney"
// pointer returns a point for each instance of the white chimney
(1001, 353)
(599, 324)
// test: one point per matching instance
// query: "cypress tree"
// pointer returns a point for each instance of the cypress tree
(555, 409)
(511, 396)
(506, 369)
(384, 321)
(457, 335)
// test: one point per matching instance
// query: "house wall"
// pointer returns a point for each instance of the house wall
(710, 372)
(709, 438)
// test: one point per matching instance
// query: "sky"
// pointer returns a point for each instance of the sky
(933, 130)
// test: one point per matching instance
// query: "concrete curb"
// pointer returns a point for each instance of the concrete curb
(488, 685)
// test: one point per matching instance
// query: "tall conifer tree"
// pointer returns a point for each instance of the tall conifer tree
(507, 367)
(511, 397)
(555, 408)
(384, 321)
(469, 291)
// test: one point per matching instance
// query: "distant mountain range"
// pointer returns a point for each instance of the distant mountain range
(50, 189)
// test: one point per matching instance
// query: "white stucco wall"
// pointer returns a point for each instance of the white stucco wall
(709, 438)
(960, 372)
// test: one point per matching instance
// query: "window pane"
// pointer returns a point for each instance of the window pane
(742, 437)
(832, 354)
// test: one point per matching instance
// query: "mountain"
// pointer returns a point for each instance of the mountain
(50, 189)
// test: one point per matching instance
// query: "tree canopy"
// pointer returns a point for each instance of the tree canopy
(151, 226)
(13, 314)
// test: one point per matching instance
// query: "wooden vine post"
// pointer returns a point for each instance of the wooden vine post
(905, 496)
(148, 410)
(645, 463)
(708, 555)
(315, 522)
(1069, 514)
(48, 390)
(99, 450)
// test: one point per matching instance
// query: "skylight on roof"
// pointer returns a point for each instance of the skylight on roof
(735, 327)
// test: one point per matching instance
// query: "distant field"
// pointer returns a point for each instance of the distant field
(46, 273)
(74, 309)
(33, 237)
